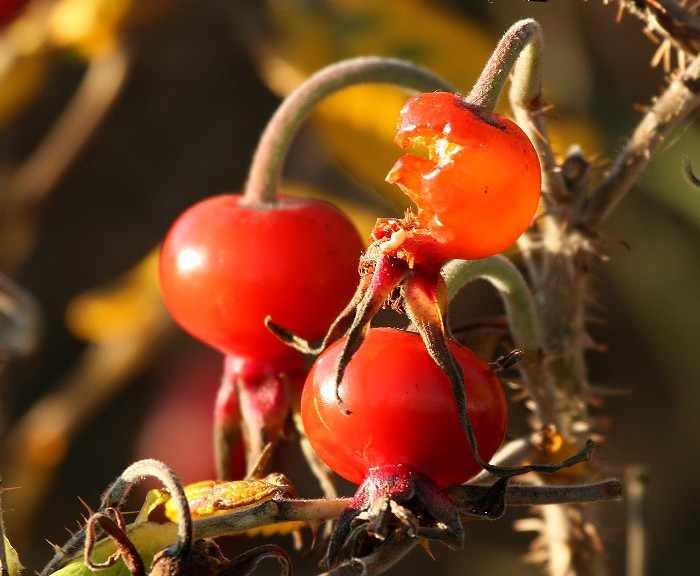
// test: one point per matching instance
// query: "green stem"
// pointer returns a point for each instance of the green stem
(522, 41)
(528, 108)
(506, 278)
(266, 167)
(525, 325)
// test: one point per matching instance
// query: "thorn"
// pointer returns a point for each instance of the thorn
(57, 549)
(87, 507)
(507, 360)
(688, 172)
(263, 460)
(425, 544)
(620, 13)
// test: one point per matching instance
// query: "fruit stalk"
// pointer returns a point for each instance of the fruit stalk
(266, 167)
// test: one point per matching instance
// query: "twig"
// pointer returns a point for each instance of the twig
(386, 555)
(99, 89)
(464, 496)
(669, 19)
(678, 101)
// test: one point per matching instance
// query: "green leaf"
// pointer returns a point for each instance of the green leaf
(148, 538)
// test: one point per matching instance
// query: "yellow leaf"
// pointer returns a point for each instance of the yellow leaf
(87, 26)
(154, 498)
(14, 566)
(211, 497)
(20, 81)
(129, 303)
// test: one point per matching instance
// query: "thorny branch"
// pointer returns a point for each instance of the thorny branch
(313, 512)
(678, 101)
(667, 20)
(465, 496)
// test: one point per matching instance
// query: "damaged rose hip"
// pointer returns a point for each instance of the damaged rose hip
(476, 191)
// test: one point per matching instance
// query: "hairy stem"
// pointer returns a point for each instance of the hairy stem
(317, 511)
(114, 497)
(265, 170)
(524, 322)
(523, 40)
(150, 468)
(506, 278)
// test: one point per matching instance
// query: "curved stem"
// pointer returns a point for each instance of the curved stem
(506, 278)
(523, 40)
(150, 468)
(101, 85)
(528, 108)
(525, 324)
(266, 166)
(115, 496)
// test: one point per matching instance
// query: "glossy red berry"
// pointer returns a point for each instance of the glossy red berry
(478, 189)
(226, 265)
(401, 410)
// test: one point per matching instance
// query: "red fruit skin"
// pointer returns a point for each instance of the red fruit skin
(402, 410)
(266, 393)
(477, 200)
(226, 265)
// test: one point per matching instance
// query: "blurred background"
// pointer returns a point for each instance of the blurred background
(115, 115)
